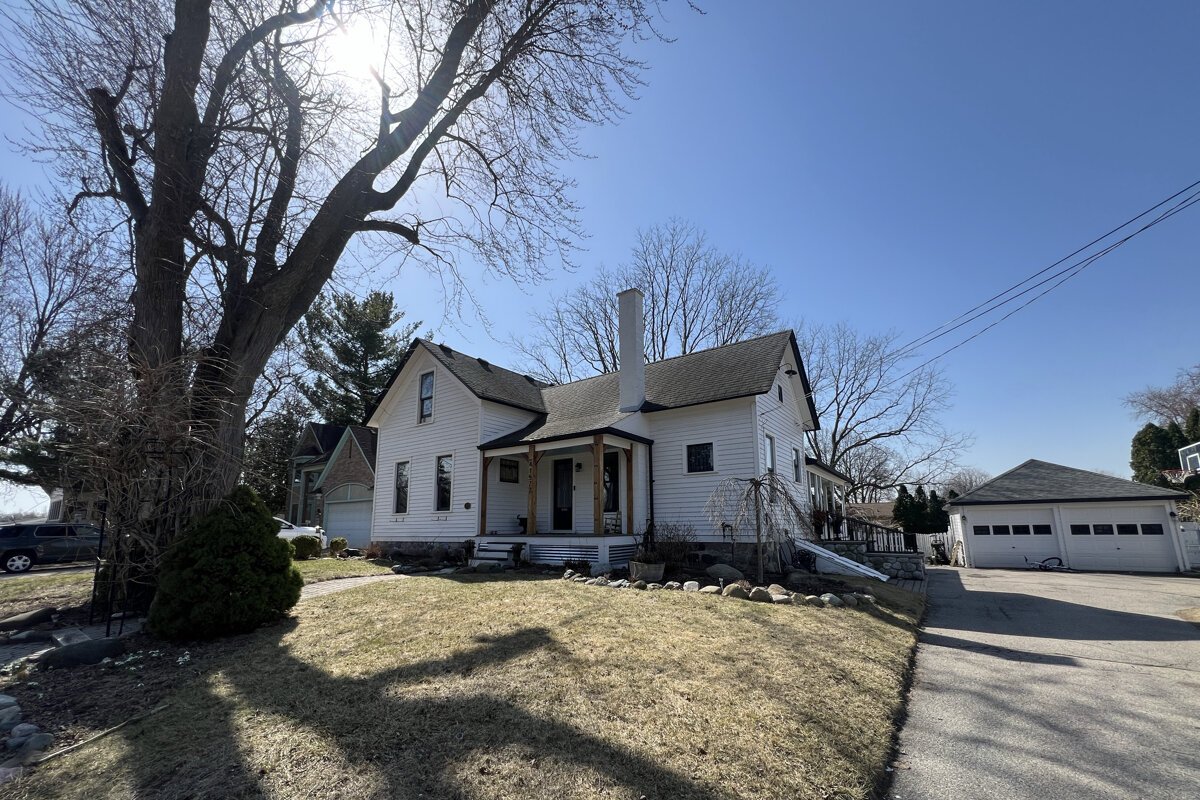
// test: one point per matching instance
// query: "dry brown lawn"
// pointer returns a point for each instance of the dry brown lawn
(22, 593)
(473, 687)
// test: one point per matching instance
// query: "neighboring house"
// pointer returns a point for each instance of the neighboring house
(875, 513)
(1091, 521)
(333, 480)
(471, 451)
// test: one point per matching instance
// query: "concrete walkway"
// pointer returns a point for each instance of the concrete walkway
(1053, 686)
(322, 588)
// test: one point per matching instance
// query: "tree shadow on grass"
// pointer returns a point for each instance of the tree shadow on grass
(396, 734)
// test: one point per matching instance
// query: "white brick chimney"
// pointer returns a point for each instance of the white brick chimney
(632, 347)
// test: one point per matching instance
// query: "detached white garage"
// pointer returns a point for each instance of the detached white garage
(1091, 521)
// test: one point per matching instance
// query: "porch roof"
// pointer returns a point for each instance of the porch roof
(540, 433)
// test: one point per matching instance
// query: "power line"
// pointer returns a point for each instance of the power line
(1066, 274)
(971, 316)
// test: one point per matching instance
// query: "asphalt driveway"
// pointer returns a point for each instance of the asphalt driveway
(1053, 686)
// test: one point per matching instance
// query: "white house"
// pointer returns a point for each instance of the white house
(469, 450)
(1040, 510)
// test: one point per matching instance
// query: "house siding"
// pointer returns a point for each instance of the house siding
(783, 421)
(681, 497)
(454, 430)
(350, 467)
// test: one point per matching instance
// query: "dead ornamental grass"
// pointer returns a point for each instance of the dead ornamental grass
(509, 688)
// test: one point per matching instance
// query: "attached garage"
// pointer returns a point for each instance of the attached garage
(348, 514)
(1090, 521)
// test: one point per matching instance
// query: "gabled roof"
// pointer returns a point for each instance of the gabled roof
(366, 439)
(1042, 482)
(485, 380)
(588, 406)
(318, 439)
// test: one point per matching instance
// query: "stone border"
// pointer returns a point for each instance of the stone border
(774, 593)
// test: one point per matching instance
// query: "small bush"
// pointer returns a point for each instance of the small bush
(291, 549)
(338, 545)
(229, 573)
(306, 547)
(674, 540)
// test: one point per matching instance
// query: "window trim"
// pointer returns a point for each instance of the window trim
(396, 487)
(713, 449)
(515, 464)
(421, 416)
(797, 464)
(437, 500)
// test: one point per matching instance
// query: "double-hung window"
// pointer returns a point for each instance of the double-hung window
(445, 477)
(426, 400)
(400, 501)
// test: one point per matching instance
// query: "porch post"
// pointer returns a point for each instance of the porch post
(597, 485)
(629, 490)
(531, 511)
(483, 489)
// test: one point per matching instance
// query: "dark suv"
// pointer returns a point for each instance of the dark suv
(22, 546)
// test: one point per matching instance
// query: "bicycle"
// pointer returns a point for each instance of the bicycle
(1051, 564)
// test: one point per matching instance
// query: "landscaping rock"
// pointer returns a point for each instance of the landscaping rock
(592, 581)
(831, 600)
(10, 716)
(580, 579)
(813, 600)
(673, 586)
(7, 700)
(654, 586)
(30, 636)
(760, 595)
(24, 730)
(39, 741)
(15, 742)
(568, 575)
(28, 619)
(864, 598)
(89, 652)
(782, 599)
(691, 586)
(602, 581)
(724, 571)
(711, 590)
(775, 588)
(68, 636)
(735, 590)
(619, 584)
(641, 585)
(849, 600)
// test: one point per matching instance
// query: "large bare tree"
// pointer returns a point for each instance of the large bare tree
(696, 297)
(1171, 403)
(244, 160)
(59, 296)
(880, 414)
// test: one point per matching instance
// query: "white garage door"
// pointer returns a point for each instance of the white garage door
(1007, 537)
(1120, 539)
(348, 514)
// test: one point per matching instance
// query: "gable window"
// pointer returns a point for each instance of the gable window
(797, 465)
(400, 501)
(770, 453)
(426, 399)
(510, 470)
(700, 457)
(445, 477)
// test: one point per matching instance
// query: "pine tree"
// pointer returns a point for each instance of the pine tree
(350, 346)
(937, 519)
(907, 511)
(1178, 438)
(1191, 428)
(269, 445)
(1152, 451)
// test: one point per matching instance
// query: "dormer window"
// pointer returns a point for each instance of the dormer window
(426, 401)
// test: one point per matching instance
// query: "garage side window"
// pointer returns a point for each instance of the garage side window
(400, 504)
(1020, 530)
(1042, 530)
(981, 530)
(1081, 530)
(1127, 530)
(1000, 530)
(1152, 529)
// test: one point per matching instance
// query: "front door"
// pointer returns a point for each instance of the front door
(564, 492)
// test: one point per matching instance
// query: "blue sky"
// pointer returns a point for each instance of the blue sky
(895, 164)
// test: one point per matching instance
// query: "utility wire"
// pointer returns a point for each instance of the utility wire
(970, 315)
(1066, 274)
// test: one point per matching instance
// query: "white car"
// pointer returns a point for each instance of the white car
(289, 531)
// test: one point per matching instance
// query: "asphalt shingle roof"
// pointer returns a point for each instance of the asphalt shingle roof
(1042, 482)
(591, 405)
(366, 438)
(489, 381)
(327, 436)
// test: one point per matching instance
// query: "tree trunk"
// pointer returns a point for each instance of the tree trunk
(758, 529)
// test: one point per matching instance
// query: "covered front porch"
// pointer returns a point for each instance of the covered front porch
(582, 497)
